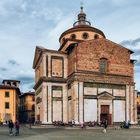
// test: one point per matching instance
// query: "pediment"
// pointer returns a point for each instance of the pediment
(37, 55)
(105, 95)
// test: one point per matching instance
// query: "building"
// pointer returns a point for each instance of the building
(27, 107)
(9, 99)
(138, 106)
(89, 78)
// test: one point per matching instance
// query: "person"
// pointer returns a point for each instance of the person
(1, 122)
(73, 122)
(105, 126)
(82, 124)
(17, 126)
(10, 125)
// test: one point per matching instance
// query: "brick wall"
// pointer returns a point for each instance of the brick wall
(90, 52)
(72, 61)
(57, 67)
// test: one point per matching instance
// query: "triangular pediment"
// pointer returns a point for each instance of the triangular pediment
(105, 95)
(37, 55)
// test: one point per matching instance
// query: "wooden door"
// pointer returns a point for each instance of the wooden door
(104, 109)
(105, 114)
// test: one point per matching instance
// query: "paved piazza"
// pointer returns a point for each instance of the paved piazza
(70, 134)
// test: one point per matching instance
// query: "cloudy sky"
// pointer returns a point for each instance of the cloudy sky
(27, 23)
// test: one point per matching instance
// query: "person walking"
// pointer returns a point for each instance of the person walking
(105, 125)
(82, 124)
(10, 125)
(73, 122)
(17, 126)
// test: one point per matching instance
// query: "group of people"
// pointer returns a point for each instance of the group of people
(104, 124)
(125, 124)
(11, 126)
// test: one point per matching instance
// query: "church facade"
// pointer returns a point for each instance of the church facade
(89, 78)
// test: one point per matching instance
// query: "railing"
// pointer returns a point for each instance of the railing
(82, 22)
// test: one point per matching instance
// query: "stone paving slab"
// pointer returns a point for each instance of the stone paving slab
(71, 134)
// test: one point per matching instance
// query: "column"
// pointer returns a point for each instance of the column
(65, 104)
(127, 104)
(132, 103)
(44, 64)
(81, 113)
(44, 104)
(75, 101)
(49, 103)
(49, 66)
(135, 107)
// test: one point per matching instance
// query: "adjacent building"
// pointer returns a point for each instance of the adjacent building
(27, 107)
(89, 78)
(9, 100)
(138, 106)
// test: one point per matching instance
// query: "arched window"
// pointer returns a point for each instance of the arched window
(103, 65)
(96, 36)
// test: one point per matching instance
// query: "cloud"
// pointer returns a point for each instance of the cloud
(27, 82)
(13, 63)
(25, 79)
(131, 42)
(137, 63)
(31, 85)
(3, 69)
(134, 45)
(27, 23)
(29, 10)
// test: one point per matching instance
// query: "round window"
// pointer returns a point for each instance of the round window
(96, 36)
(73, 36)
(85, 35)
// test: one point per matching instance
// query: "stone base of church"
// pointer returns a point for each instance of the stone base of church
(86, 102)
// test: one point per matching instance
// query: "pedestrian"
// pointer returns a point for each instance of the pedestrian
(82, 124)
(105, 126)
(73, 122)
(17, 126)
(10, 125)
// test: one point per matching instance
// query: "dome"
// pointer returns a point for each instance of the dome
(81, 30)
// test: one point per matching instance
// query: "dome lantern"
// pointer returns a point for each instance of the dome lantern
(82, 18)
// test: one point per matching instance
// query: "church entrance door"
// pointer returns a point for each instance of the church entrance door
(105, 114)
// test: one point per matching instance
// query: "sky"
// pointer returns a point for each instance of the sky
(24, 24)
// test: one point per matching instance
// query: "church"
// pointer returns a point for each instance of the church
(89, 78)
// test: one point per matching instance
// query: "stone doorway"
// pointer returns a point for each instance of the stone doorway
(105, 114)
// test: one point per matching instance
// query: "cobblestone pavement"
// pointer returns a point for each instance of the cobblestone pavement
(70, 134)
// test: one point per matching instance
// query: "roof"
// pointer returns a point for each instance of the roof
(82, 28)
(82, 25)
(10, 81)
(27, 93)
(105, 42)
(11, 87)
(39, 51)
